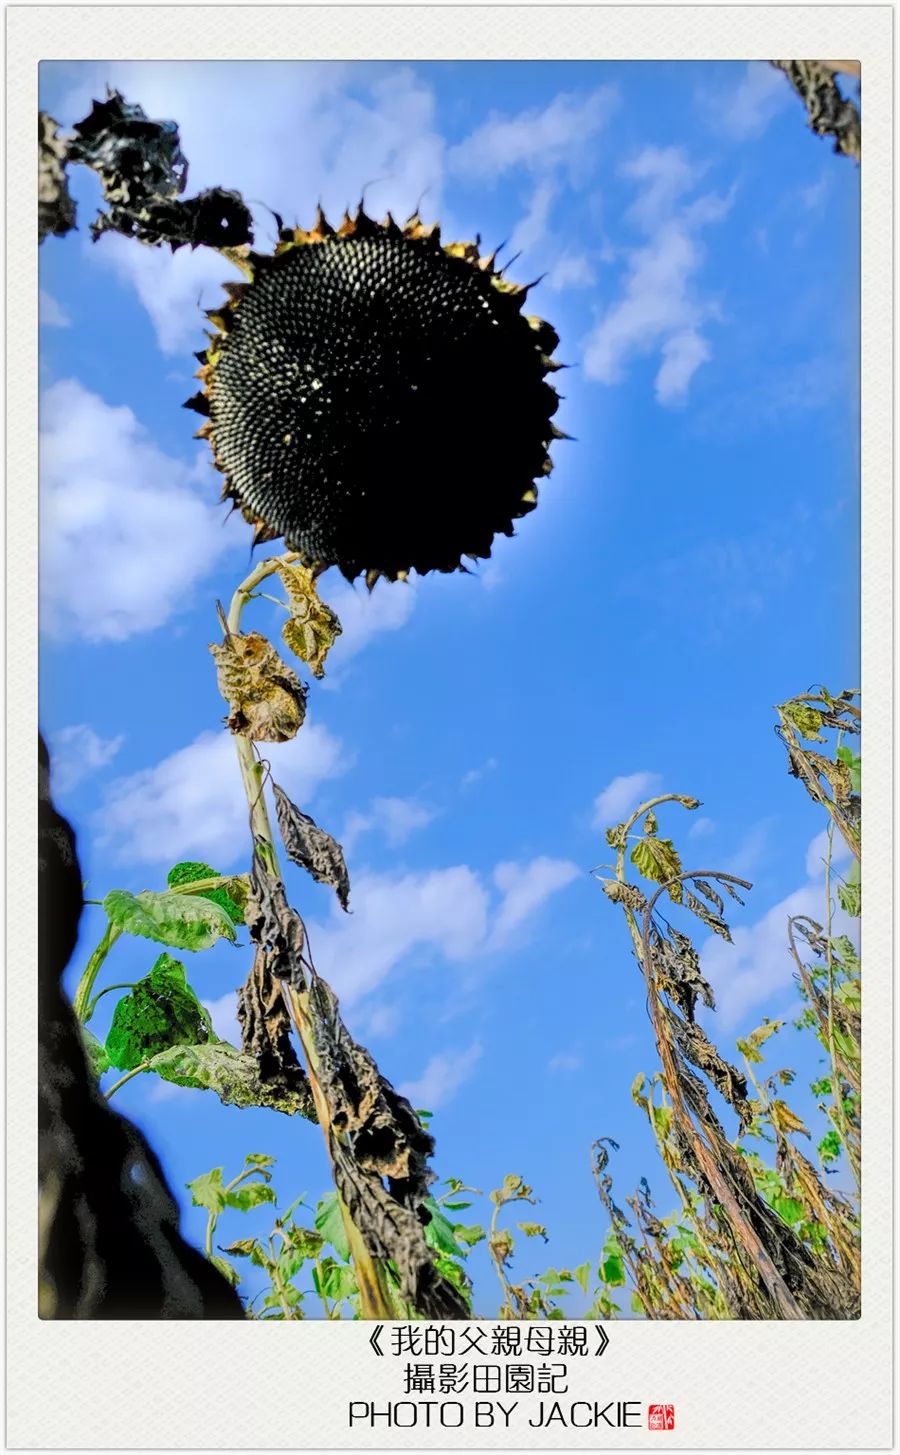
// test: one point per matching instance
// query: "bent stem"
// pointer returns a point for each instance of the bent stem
(374, 1298)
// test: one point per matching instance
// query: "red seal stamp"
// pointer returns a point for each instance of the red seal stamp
(661, 1417)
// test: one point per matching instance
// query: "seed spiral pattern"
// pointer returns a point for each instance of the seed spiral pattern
(378, 399)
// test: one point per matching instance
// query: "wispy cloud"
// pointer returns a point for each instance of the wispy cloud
(442, 1078)
(113, 560)
(574, 270)
(50, 313)
(701, 828)
(444, 914)
(536, 139)
(191, 805)
(396, 819)
(622, 795)
(76, 752)
(475, 775)
(565, 1061)
(660, 309)
(525, 887)
(745, 110)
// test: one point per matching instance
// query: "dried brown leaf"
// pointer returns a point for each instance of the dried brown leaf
(267, 699)
(313, 627)
(311, 847)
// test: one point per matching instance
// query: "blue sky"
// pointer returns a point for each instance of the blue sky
(693, 560)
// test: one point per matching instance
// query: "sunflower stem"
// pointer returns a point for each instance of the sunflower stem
(370, 1278)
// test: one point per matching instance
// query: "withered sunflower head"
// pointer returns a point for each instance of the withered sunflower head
(377, 398)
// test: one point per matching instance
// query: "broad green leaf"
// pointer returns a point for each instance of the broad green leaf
(470, 1235)
(231, 896)
(339, 1281)
(830, 1147)
(788, 1209)
(455, 1274)
(208, 1191)
(233, 1076)
(248, 1195)
(160, 1011)
(258, 1159)
(658, 861)
(439, 1232)
(307, 1241)
(330, 1224)
(612, 1271)
(183, 921)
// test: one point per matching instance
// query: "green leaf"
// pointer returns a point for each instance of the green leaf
(830, 1148)
(789, 1209)
(439, 1232)
(583, 1275)
(258, 1159)
(226, 1270)
(306, 1241)
(339, 1281)
(612, 1272)
(183, 921)
(805, 719)
(243, 1248)
(455, 1274)
(330, 1224)
(657, 860)
(208, 1191)
(233, 1076)
(231, 896)
(97, 1059)
(160, 1011)
(850, 899)
(534, 1230)
(248, 1195)
(470, 1235)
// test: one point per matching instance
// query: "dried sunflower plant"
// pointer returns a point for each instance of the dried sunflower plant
(344, 358)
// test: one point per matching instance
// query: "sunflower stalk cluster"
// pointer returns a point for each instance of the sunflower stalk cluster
(758, 1232)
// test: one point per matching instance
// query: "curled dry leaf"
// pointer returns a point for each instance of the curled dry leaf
(267, 699)
(311, 847)
(313, 627)
(266, 1031)
(373, 1134)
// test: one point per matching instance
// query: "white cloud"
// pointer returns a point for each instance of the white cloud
(758, 964)
(125, 534)
(535, 139)
(395, 818)
(660, 308)
(701, 828)
(564, 1061)
(817, 853)
(531, 230)
(76, 752)
(683, 354)
(745, 110)
(443, 911)
(364, 614)
(572, 271)
(525, 887)
(622, 795)
(284, 135)
(447, 913)
(475, 775)
(50, 313)
(442, 1078)
(223, 1013)
(191, 805)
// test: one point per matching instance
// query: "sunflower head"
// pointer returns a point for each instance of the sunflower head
(378, 398)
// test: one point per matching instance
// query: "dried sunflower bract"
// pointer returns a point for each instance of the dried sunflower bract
(377, 398)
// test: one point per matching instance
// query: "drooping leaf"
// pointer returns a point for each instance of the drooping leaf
(160, 1011)
(182, 921)
(226, 1270)
(248, 1195)
(658, 860)
(311, 847)
(230, 896)
(234, 1077)
(266, 698)
(784, 1120)
(533, 1230)
(313, 627)
(439, 1232)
